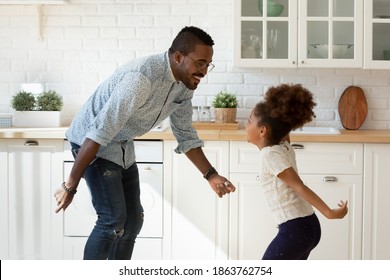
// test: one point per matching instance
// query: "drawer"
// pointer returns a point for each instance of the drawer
(244, 157)
(329, 158)
(312, 158)
(145, 151)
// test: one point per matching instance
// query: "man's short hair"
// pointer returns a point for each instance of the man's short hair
(188, 37)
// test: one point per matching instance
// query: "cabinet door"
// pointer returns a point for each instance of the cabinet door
(377, 33)
(33, 170)
(329, 158)
(312, 158)
(4, 254)
(322, 33)
(244, 157)
(330, 33)
(199, 217)
(341, 239)
(252, 226)
(323, 167)
(376, 222)
(265, 39)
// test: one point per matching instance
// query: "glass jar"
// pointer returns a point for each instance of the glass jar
(195, 113)
(204, 114)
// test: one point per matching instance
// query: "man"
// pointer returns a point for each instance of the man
(137, 97)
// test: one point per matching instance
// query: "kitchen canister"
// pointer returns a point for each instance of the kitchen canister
(204, 114)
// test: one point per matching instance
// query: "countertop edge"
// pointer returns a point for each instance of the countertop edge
(345, 136)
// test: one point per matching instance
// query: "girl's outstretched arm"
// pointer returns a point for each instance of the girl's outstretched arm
(292, 179)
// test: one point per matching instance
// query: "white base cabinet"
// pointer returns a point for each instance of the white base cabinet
(30, 173)
(199, 218)
(252, 225)
(341, 238)
(196, 223)
(376, 223)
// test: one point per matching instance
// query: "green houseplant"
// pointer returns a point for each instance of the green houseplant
(23, 101)
(225, 107)
(42, 110)
(49, 101)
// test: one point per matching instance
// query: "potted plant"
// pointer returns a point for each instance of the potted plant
(225, 107)
(42, 110)
(23, 101)
(49, 101)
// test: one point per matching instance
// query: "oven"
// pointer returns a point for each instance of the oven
(80, 217)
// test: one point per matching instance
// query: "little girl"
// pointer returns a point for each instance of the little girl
(285, 108)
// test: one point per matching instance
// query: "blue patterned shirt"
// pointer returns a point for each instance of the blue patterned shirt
(136, 98)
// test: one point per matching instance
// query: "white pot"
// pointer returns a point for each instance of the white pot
(37, 118)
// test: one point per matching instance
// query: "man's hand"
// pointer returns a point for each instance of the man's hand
(63, 199)
(221, 185)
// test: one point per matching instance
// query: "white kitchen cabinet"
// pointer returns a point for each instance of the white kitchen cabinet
(80, 216)
(376, 222)
(199, 218)
(31, 172)
(377, 34)
(265, 41)
(300, 35)
(329, 158)
(252, 226)
(332, 170)
(341, 238)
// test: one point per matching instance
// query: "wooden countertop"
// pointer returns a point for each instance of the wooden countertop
(346, 136)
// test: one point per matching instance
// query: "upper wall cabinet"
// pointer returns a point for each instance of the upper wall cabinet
(305, 33)
(377, 34)
(265, 39)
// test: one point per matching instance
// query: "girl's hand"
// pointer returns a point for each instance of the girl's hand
(339, 213)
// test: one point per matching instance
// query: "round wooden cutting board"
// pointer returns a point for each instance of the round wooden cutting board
(352, 108)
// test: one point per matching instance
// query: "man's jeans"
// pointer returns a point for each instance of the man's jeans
(115, 195)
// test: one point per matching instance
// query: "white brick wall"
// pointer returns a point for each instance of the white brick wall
(85, 40)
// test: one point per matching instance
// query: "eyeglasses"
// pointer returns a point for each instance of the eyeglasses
(202, 65)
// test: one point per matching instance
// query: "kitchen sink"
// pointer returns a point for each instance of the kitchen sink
(316, 130)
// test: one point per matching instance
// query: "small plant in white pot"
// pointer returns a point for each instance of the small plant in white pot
(225, 107)
(23, 101)
(49, 101)
(42, 110)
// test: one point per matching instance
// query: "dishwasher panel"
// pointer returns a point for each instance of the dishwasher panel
(80, 217)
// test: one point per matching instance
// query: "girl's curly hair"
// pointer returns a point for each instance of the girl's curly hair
(285, 108)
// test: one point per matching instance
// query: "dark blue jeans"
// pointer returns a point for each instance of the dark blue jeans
(295, 239)
(115, 195)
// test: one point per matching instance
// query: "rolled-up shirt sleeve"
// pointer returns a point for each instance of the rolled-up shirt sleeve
(181, 124)
(99, 137)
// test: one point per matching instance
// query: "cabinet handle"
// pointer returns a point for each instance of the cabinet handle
(329, 179)
(31, 143)
(257, 178)
(147, 168)
(297, 146)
